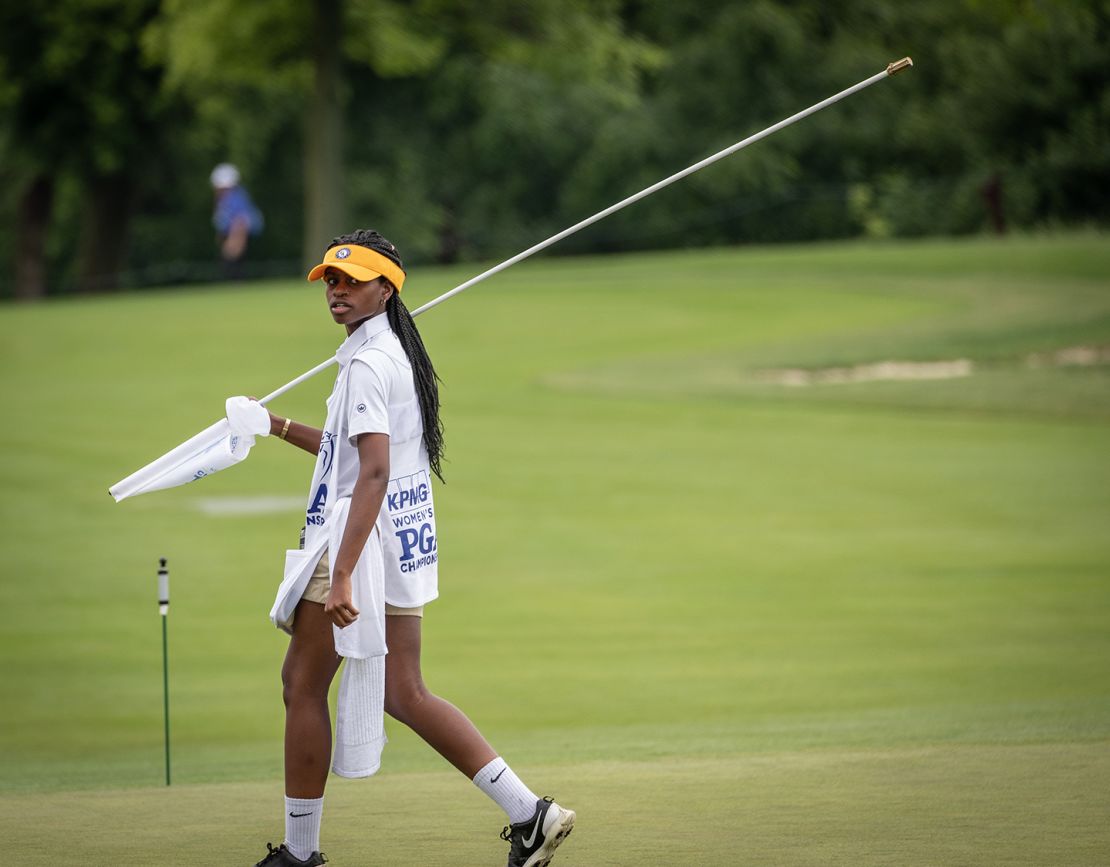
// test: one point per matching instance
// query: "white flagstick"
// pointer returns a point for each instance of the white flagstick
(891, 69)
(308, 374)
(157, 474)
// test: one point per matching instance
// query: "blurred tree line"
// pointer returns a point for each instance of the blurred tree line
(470, 131)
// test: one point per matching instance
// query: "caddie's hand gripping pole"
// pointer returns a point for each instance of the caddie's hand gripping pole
(891, 69)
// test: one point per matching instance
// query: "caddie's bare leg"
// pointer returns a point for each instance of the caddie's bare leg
(445, 728)
(310, 665)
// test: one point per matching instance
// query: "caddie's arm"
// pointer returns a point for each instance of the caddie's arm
(303, 436)
(366, 503)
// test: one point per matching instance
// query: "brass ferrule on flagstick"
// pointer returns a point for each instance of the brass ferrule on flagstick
(898, 65)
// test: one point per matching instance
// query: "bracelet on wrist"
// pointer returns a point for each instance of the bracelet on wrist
(285, 429)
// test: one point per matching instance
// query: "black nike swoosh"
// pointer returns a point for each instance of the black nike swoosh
(499, 773)
(299, 815)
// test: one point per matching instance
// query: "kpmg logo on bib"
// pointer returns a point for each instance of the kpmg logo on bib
(409, 499)
(408, 491)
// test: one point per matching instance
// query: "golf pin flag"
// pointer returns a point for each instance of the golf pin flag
(215, 448)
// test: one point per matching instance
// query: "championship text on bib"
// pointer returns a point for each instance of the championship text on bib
(411, 543)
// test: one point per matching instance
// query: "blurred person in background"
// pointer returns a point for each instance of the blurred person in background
(234, 216)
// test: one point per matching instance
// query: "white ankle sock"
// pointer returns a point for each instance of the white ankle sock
(499, 782)
(302, 826)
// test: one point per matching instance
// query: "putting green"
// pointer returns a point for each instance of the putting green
(1034, 804)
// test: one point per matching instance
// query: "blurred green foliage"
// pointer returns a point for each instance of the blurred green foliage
(466, 132)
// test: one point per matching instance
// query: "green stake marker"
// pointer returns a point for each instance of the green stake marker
(164, 610)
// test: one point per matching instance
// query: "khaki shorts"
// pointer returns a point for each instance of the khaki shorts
(320, 583)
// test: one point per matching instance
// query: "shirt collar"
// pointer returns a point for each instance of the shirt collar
(362, 335)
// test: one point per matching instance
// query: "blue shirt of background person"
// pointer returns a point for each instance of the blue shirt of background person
(234, 203)
(234, 216)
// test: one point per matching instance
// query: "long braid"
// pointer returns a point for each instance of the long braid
(424, 376)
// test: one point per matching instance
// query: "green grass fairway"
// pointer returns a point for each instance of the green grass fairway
(728, 620)
(926, 805)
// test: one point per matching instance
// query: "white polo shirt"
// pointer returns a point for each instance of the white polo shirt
(374, 393)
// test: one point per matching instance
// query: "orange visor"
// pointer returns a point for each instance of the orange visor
(359, 262)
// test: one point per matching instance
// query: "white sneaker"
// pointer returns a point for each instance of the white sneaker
(533, 843)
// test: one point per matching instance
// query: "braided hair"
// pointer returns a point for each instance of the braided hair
(424, 376)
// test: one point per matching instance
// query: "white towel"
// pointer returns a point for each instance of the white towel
(366, 636)
(359, 727)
